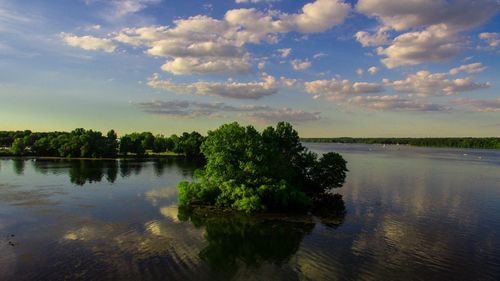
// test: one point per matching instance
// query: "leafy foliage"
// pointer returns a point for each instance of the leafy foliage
(92, 144)
(251, 171)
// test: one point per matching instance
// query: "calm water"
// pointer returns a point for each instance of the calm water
(412, 214)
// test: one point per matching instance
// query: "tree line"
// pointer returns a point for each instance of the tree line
(81, 143)
(484, 143)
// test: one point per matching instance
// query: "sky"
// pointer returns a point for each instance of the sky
(363, 68)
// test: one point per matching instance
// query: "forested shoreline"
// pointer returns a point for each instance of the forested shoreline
(81, 143)
(462, 142)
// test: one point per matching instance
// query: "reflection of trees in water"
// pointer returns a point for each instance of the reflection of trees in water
(185, 166)
(252, 240)
(18, 165)
(82, 172)
(129, 167)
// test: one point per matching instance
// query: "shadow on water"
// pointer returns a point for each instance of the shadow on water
(239, 240)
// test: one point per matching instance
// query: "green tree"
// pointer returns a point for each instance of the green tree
(251, 171)
(18, 147)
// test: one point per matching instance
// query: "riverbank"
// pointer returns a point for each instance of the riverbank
(119, 157)
(460, 142)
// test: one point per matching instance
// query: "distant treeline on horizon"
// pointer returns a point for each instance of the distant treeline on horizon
(81, 143)
(458, 142)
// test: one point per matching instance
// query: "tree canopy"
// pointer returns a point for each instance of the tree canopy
(251, 171)
(81, 143)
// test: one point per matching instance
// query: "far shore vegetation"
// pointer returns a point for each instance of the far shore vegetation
(81, 143)
(462, 142)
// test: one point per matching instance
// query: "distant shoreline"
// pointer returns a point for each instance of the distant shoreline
(465, 142)
(132, 157)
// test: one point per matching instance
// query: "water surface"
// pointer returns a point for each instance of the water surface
(411, 214)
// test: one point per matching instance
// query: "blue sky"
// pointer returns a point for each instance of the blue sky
(331, 67)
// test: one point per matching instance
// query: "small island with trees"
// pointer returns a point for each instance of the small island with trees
(272, 171)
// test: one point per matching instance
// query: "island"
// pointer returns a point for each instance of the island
(251, 171)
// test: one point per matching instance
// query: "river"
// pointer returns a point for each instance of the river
(411, 214)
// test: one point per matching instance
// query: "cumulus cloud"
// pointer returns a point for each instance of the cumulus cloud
(237, 90)
(283, 114)
(425, 83)
(395, 103)
(373, 70)
(338, 90)
(477, 105)
(300, 64)
(378, 38)
(198, 43)
(318, 16)
(288, 82)
(192, 65)
(491, 38)
(468, 68)
(88, 42)
(192, 109)
(360, 71)
(434, 44)
(284, 53)
(434, 28)
(458, 15)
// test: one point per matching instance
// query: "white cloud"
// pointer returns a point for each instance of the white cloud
(335, 89)
(288, 82)
(117, 9)
(492, 38)
(229, 89)
(395, 103)
(365, 87)
(259, 113)
(373, 70)
(468, 68)
(191, 65)
(318, 16)
(492, 105)
(88, 42)
(360, 71)
(284, 53)
(261, 65)
(434, 28)
(255, 1)
(210, 39)
(425, 83)
(319, 55)
(300, 64)
(378, 38)
(283, 114)
(458, 15)
(434, 44)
